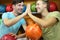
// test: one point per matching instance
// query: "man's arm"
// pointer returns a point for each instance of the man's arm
(21, 35)
(9, 22)
(18, 36)
(24, 27)
(44, 23)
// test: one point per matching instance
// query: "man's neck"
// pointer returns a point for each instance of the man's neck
(45, 12)
(15, 13)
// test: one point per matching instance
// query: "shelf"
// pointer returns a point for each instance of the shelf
(10, 1)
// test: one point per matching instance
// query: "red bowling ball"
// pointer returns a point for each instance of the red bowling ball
(8, 37)
(9, 8)
(52, 6)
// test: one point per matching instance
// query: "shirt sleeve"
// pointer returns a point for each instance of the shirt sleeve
(5, 15)
(55, 14)
(23, 21)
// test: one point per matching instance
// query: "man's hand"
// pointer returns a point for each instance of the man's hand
(14, 35)
(21, 35)
(26, 12)
(28, 8)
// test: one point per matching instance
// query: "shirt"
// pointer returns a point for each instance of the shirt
(52, 32)
(14, 28)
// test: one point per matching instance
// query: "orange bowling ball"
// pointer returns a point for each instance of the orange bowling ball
(33, 31)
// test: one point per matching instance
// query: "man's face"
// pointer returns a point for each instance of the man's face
(18, 7)
(39, 6)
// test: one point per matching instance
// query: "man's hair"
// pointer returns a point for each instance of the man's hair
(48, 4)
(45, 1)
(14, 2)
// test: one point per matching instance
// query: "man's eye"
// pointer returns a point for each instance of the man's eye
(19, 5)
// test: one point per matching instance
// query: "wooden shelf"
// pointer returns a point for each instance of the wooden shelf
(5, 1)
(10, 1)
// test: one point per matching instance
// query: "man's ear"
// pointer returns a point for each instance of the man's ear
(13, 6)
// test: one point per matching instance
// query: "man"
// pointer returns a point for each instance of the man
(11, 21)
(50, 23)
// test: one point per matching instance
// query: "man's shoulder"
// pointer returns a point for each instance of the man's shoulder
(55, 12)
(7, 13)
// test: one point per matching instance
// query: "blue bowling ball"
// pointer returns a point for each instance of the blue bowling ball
(24, 9)
(2, 8)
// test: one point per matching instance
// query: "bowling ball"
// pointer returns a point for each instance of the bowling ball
(8, 37)
(2, 8)
(33, 7)
(33, 31)
(9, 8)
(24, 9)
(52, 6)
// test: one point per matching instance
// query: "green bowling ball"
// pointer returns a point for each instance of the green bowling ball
(33, 7)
